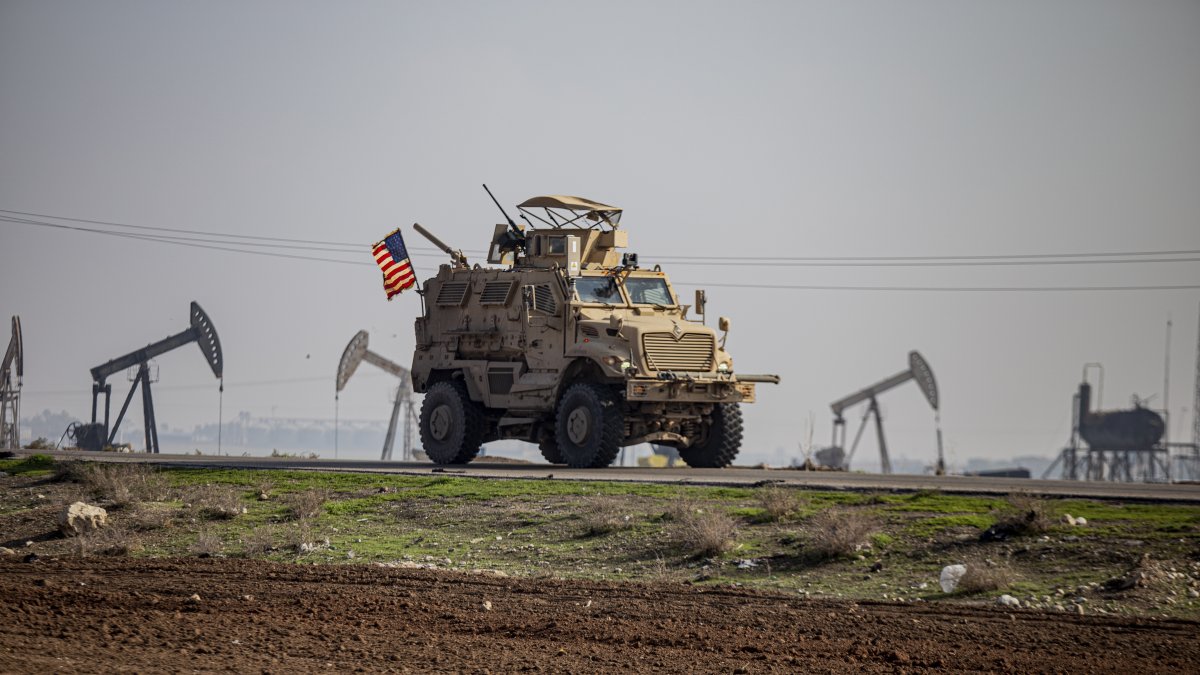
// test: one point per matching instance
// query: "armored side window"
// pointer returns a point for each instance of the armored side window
(558, 246)
(497, 292)
(453, 293)
(543, 299)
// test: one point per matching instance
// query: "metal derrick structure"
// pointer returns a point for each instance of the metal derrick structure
(355, 353)
(918, 370)
(12, 370)
(97, 436)
(1113, 445)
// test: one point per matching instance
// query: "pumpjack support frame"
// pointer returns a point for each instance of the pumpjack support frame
(201, 331)
(355, 353)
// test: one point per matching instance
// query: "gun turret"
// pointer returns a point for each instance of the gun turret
(456, 255)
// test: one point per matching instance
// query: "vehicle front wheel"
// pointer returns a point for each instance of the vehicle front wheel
(722, 442)
(451, 424)
(590, 426)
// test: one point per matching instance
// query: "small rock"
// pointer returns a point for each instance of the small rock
(28, 543)
(950, 576)
(41, 496)
(1078, 609)
(194, 598)
(7, 551)
(1068, 519)
(1192, 593)
(877, 566)
(1008, 601)
(3, 474)
(487, 605)
(248, 598)
(1060, 608)
(1081, 521)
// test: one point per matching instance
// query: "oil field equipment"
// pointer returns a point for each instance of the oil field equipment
(12, 370)
(570, 344)
(97, 436)
(918, 370)
(402, 405)
(1122, 445)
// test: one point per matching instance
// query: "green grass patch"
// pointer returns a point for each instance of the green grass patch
(928, 527)
(32, 464)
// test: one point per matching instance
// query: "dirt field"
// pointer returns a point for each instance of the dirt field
(121, 614)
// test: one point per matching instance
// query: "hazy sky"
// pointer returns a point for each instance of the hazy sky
(751, 129)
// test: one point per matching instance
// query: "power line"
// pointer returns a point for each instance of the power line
(953, 289)
(230, 247)
(691, 259)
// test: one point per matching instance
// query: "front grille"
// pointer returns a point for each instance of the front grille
(694, 351)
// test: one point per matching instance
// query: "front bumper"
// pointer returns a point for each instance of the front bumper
(690, 389)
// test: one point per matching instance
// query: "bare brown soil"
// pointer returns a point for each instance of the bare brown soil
(120, 614)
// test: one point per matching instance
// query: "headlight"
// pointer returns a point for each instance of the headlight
(723, 367)
(625, 365)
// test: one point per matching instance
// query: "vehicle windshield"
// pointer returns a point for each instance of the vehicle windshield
(598, 289)
(648, 291)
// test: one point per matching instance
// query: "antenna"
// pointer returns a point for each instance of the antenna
(10, 390)
(355, 353)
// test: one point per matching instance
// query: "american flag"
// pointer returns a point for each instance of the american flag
(393, 260)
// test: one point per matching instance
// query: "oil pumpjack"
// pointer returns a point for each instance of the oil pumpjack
(918, 370)
(12, 370)
(355, 353)
(97, 436)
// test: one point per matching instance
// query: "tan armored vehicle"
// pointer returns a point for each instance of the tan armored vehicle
(570, 345)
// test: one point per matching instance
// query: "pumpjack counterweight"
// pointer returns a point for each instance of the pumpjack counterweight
(97, 436)
(355, 353)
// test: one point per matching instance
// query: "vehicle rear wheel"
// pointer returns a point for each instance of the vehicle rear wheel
(590, 426)
(723, 441)
(451, 424)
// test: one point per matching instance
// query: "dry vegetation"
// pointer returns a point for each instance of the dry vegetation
(306, 505)
(606, 516)
(119, 484)
(983, 577)
(216, 502)
(207, 544)
(835, 533)
(1024, 515)
(700, 531)
(779, 503)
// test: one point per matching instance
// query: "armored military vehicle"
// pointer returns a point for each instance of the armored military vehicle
(565, 341)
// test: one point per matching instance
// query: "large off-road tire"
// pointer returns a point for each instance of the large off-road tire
(722, 442)
(451, 424)
(549, 449)
(589, 427)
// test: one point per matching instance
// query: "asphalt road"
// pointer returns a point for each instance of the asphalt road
(729, 476)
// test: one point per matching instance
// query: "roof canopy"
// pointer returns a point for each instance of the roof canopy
(567, 202)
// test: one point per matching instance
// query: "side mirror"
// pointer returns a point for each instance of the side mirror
(700, 302)
(615, 323)
(723, 324)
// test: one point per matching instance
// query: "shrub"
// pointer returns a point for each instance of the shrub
(33, 463)
(705, 533)
(40, 443)
(124, 484)
(259, 541)
(1022, 515)
(217, 502)
(113, 540)
(839, 532)
(981, 577)
(306, 505)
(605, 517)
(779, 503)
(207, 544)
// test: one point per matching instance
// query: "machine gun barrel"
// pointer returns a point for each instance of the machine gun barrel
(456, 255)
(511, 224)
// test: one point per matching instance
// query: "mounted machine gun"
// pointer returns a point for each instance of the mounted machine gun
(356, 352)
(96, 436)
